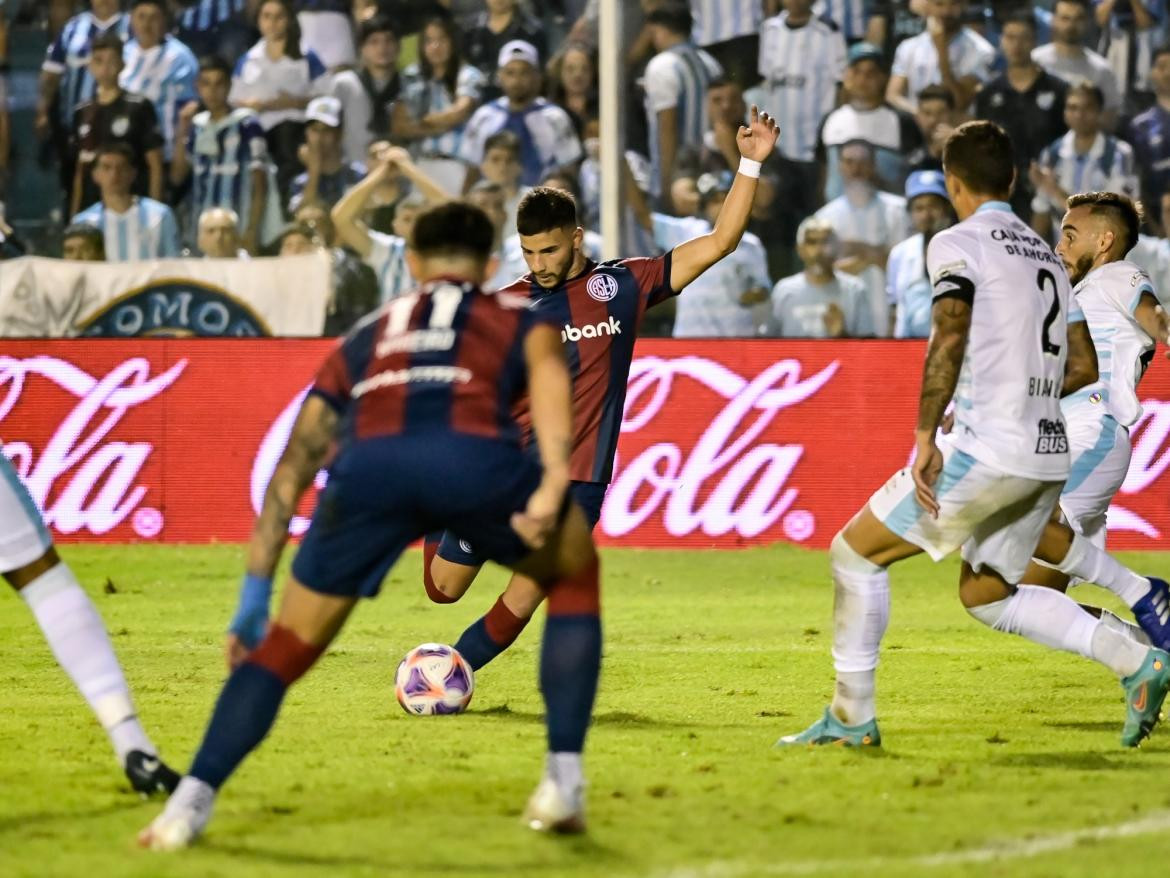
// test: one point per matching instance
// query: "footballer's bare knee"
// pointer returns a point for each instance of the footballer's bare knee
(872, 540)
(451, 580)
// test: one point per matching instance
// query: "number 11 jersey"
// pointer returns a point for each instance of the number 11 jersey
(1007, 402)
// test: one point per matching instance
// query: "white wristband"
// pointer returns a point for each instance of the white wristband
(750, 168)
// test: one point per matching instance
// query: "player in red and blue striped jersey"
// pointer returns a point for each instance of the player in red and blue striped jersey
(418, 398)
(599, 308)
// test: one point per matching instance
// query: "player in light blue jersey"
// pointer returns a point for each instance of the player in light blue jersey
(158, 67)
(1126, 322)
(223, 150)
(1007, 342)
(134, 228)
(675, 82)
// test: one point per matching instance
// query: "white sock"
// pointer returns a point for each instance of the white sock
(75, 633)
(1130, 630)
(1053, 619)
(1085, 561)
(565, 769)
(861, 612)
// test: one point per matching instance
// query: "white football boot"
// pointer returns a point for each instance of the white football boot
(553, 808)
(182, 820)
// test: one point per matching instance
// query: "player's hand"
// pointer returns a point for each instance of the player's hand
(757, 139)
(756, 296)
(539, 518)
(235, 652)
(250, 623)
(1163, 328)
(925, 470)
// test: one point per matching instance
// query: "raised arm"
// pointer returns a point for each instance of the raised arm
(308, 446)
(550, 391)
(347, 213)
(691, 259)
(1080, 368)
(1153, 320)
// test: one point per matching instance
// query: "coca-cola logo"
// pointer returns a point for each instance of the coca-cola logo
(744, 482)
(92, 482)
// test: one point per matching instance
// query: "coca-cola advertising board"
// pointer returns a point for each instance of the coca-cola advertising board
(724, 444)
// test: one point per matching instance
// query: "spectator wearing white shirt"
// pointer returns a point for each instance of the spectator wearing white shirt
(327, 26)
(868, 223)
(730, 298)
(369, 93)
(158, 67)
(547, 136)
(911, 295)
(729, 31)
(819, 302)
(867, 116)
(433, 113)
(1086, 159)
(1130, 32)
(802, 60)
(946, 53)
(133, 228)
(276, 79)
(1067, 57)
(675, 83)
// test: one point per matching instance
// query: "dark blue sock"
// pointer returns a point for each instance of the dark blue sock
(570, 661)
(243, 715)
(476, 646)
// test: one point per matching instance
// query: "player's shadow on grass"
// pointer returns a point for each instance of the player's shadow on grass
(1103, 726)
(584, 847)
(612, 718)
(1085, 761)
(27, 821)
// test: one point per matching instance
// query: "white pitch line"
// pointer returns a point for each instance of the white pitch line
(1010, 849)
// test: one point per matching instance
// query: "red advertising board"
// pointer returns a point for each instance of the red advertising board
(724, 444)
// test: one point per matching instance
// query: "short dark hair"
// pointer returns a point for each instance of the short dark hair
(1119, 209)
(980, 154)
(1020, 16)
(937, 93)
(376, 24)
(723, 80)
(305, 230)
(215, 64)
(543, 209)
(161, 4)
(565, 175)
(1161, 50)
(455, 228)
(116, 147)
(504, 139)
(673, 15)
(108, 41)
(1088, 90)
(85, 230)
(1084, 4)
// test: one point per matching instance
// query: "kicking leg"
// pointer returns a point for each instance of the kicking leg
(498, 629)
(1053, 619)
(247, 707)
(76, 635)
(859, 557)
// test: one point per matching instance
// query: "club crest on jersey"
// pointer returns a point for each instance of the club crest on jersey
(601, 287)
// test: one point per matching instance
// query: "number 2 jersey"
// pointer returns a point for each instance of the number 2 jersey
(1007, 402)
(1109, 297)
(446, 359)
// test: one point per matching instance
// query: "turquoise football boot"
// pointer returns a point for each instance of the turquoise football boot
(1145, 690)
(830, 730)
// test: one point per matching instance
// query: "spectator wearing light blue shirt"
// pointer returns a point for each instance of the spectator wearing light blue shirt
(158, 67)
(133, 228)
(910, 293)
(820, 302)
(946, 53)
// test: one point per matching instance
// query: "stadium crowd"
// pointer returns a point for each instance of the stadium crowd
(235, 128)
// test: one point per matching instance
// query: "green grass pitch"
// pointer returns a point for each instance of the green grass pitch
(1001, 758)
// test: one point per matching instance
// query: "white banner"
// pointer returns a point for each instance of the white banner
(53, 298)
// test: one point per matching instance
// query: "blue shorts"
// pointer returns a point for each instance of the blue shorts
(383, 494)
(459, 550)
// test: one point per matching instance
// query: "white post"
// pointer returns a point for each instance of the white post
(611, 66)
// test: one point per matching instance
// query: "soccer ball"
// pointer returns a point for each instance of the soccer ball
(434, 679)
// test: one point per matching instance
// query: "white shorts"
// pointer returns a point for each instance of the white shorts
(996, 518)
(23, 535)
(1100, 451)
